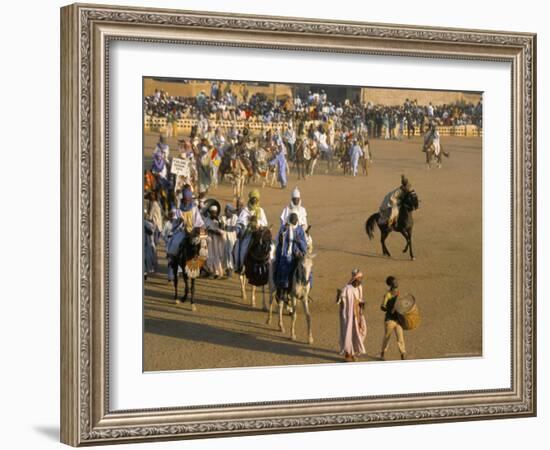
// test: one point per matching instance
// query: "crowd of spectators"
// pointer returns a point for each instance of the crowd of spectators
(233, 102)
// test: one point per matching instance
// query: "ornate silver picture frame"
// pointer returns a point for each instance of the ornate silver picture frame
(87, 32)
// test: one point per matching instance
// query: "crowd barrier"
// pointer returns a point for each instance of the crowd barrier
(183, 127)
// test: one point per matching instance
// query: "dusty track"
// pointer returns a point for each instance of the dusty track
(445, 278)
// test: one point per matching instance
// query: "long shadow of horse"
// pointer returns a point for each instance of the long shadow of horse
(199, 332)
(348, 252)
(177, 310)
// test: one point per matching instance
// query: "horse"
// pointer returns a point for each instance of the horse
(314, 156)
(260, 165)
(342, 155)
(154, 187)
(257, 265)
(238, 166)
(300, 158)
(433, 154)
(190, 260)
(299, 290)
(404, 225)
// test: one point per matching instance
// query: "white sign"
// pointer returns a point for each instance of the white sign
(181, 167)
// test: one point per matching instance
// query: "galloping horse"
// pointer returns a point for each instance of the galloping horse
(190, 260)
(404, 225)
(299, 290)
(257, 265)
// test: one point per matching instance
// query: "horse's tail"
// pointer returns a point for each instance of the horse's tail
(369, 225)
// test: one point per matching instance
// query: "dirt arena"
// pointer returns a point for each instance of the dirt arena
(446, 277)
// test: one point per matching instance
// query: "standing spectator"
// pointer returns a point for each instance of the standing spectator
(353, 326)
(228, 224)
(289, 138)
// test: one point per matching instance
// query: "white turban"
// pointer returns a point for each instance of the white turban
(295, 193)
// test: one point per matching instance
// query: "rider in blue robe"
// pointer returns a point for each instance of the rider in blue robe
(291, 246)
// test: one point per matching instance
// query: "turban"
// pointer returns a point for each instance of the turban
(254, 194)
(356, 274)
(188, 194)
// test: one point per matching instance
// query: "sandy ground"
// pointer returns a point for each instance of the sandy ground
(226, 331)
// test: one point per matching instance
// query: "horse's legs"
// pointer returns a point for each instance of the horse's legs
(264, 304)
(186, 280)
(280, 303)
(269, 309)
(305, 302)
(193, 307)
(383, 236)
(175, 270)
(410, 234)
(253, 297)
(242, 279)
(312, 168)
(406, 236)
(293, 322)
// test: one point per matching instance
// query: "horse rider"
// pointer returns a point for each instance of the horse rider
(389, 208)
(295, 206)
(162, 147)
(433, 135)
(190, 217)
(254, 211)
(188, 221)
(159, 165)
(355, 153)
(291, 246)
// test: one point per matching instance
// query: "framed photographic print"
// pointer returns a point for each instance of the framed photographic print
(280, 224)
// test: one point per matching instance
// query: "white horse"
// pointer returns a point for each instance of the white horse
(300, 291)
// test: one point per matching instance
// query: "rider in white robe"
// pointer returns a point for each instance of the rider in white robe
(355, 153)
(389, 208)
(295, 206)
(433, 133)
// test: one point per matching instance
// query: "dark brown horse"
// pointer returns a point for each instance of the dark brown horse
(189, 260)
(404, 225)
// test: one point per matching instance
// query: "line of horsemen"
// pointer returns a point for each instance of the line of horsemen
(201, 241)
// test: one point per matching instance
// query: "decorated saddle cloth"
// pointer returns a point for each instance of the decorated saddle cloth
(257, 260)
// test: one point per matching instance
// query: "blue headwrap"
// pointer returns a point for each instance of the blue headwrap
(187, 196)
(158, 162)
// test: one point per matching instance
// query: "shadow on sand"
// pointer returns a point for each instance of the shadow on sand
(191, 331)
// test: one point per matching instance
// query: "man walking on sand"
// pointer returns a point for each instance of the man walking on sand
(353, 326)
(391, 320)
